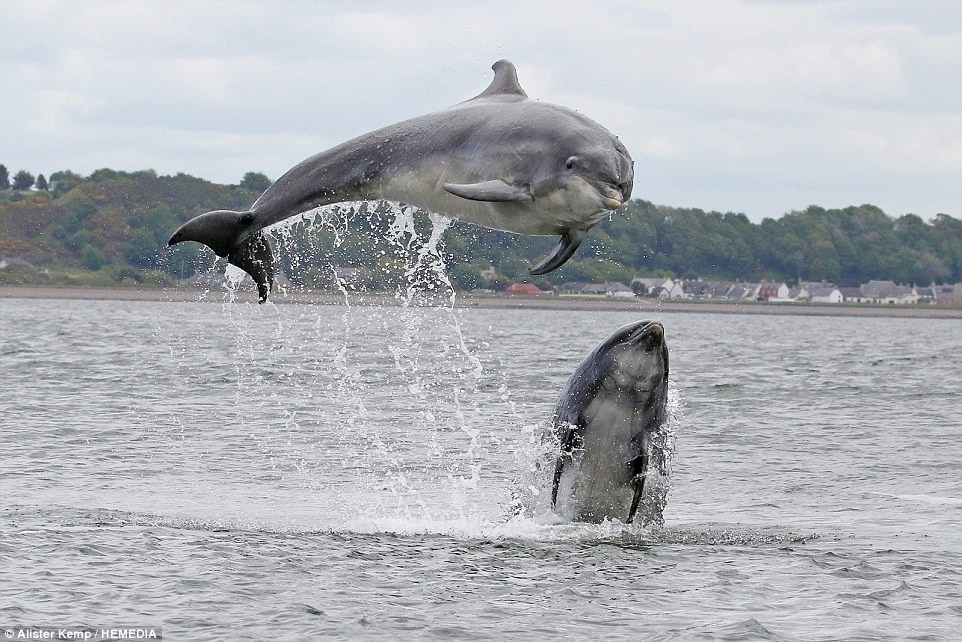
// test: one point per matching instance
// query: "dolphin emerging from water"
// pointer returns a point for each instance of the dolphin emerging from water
(604, 422)
(499, 160)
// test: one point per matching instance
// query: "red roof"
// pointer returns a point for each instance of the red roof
(524, 288)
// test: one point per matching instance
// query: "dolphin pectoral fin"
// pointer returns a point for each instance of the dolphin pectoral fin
(256, 257)
(496, 191)
(639, 485)
(556, 480)
(565, 427)
(639, 466)
(566, 247)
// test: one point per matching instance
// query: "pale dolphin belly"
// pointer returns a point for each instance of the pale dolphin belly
(545, 219)
(598, 480)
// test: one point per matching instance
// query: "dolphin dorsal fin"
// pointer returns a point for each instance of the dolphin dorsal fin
(505, 82)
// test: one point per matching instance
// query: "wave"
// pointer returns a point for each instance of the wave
(539, 529)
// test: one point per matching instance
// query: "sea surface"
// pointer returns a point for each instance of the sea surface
(223, 470)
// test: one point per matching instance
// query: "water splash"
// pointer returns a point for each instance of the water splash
(387, 390)
(409, 353)
(661, 452)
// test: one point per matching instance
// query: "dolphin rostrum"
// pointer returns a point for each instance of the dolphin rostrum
(605, 420)
(499, 160)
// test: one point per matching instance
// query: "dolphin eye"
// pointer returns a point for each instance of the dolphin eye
(570, 163)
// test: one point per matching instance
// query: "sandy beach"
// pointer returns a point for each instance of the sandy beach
(467, 300)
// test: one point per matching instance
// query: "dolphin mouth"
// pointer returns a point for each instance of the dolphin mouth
(612, 197)
(651, 335)
(612, 202)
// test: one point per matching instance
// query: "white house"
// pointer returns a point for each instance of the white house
(853, 295)
(660, 287)
(677, 291)
(743, 292)
(826, 294)
(806, 288)
(889, 292)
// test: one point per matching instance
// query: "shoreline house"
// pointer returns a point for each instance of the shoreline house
(659, 287)
(825, 294)
(890, 293)
(872, 292)
(853, 295)
(742, 292)
(607, 288)
(525, 289)
(698, 289)
(773, 291)
(928, 295)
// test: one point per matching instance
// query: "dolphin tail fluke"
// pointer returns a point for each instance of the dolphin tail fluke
(230, 234)
(256, 257)
(566, 247)
(220, 230)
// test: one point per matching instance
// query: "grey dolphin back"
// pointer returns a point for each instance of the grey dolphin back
(569, 417)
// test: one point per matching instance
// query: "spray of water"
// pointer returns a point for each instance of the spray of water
(409, 353)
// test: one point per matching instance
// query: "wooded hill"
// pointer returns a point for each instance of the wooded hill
(113, 226)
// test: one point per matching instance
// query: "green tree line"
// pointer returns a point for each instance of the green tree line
(119, 222)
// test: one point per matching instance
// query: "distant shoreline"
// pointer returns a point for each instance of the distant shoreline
(468, 300)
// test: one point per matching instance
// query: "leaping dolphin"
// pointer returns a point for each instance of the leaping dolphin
(499, 160)
(604, 423)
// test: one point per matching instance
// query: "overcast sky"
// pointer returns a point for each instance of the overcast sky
(761, 107)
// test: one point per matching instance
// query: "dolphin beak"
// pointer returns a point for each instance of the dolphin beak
(650, 333)
(656, 330)
(653, 335)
